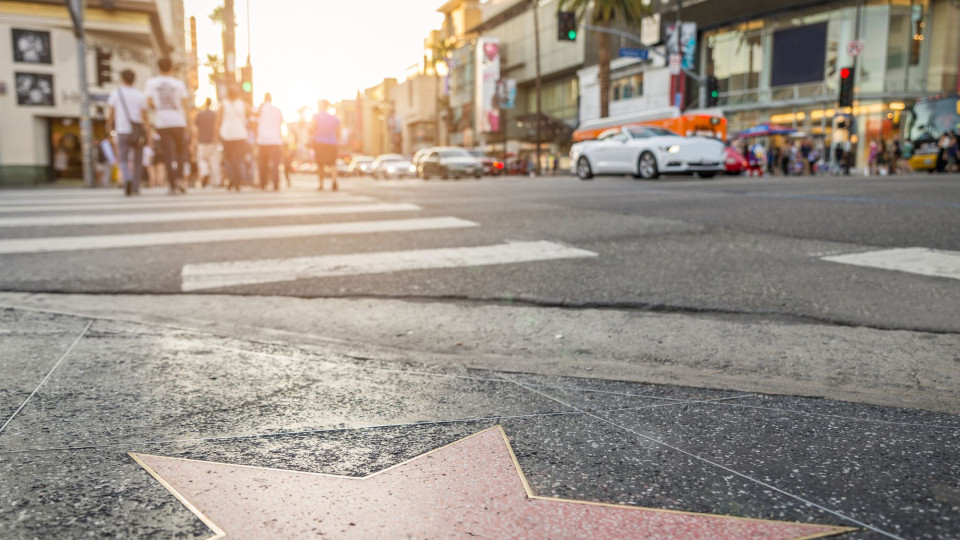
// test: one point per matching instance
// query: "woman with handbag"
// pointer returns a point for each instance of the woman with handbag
(128, 116)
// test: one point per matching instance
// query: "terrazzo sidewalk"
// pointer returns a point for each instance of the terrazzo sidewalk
(120, 429)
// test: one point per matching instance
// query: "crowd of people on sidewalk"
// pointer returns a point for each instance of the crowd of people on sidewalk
(808, 156)
(156, 132)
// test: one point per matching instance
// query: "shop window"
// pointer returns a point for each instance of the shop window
(628, 87)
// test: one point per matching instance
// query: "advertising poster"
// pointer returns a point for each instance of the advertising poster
(488, 74)
(507, 93)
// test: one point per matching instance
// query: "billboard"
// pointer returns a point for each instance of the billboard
(683, 43)
(507, 93)
(488, 74)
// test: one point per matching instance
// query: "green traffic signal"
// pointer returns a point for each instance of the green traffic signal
(247, 87)
(572, 35)
(715, 94)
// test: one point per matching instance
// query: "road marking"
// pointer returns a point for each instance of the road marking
(173, 204)
(76, 243)
(226, 274)
(157, 195)
(923, 261)
(158, 217)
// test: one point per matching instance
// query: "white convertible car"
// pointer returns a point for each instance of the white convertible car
(646, 152)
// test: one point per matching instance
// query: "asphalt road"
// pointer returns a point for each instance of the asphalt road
(726, 246)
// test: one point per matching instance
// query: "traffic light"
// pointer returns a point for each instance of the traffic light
(246, 83)
(713, 91)
(566, 26)
(846, 87)
(104, 74)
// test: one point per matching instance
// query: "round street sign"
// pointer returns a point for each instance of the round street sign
(855, 48)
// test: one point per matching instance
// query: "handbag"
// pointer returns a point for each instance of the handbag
(136, 128)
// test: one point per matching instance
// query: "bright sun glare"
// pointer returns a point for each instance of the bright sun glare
(304, 50)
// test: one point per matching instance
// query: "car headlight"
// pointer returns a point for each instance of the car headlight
(412, 168)
(671, 149)
(391, 169)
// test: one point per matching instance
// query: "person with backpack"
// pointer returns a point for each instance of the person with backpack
(127, 116)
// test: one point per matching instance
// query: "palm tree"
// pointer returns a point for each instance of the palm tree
(604, 13)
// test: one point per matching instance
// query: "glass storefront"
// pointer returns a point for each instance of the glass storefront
(798, 54)
(784, 69)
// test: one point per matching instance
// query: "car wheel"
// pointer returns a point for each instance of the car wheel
(707, 174)
(647, 166)
(583, 169)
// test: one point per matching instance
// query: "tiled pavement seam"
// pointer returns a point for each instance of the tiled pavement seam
(47, 376)
(712, 463)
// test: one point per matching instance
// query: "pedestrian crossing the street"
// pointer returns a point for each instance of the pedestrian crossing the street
(38, 222)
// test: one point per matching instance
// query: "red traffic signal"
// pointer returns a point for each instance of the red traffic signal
(845, 73)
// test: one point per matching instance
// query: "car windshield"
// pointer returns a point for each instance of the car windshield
(477, 153)
(362, 160)
(454, 153)
(647, 132)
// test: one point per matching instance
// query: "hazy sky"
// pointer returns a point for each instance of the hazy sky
(303, 50)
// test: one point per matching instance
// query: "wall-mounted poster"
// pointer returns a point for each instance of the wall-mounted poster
(31, 46)
(34, 89)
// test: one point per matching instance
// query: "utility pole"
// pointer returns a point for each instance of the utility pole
(75, 7)
(229, 43)
(536, 48)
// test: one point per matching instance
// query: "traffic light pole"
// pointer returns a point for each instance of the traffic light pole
(701, 80)
(75, 7)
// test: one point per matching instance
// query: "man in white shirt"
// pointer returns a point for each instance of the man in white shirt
(269, 142)
(128, 117)
(168, 98)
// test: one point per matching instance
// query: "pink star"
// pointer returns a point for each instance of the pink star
(471, 488)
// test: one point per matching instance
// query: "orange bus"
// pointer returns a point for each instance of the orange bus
(708, 122)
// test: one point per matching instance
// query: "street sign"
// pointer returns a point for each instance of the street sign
(674, 64)
(629, 52)
(855, 48)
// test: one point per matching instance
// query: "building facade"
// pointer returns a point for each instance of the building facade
(415, 110)
(381, 134)
(501, 47)
(39, 81)
(778, 62)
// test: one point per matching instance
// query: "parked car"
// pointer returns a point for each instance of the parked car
(449, 162)
(733, 161)
(491, 166)
(647, 152)
(388, 166)
(342, 168)
(359, 165)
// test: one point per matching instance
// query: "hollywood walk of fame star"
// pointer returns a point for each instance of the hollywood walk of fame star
(471, 488)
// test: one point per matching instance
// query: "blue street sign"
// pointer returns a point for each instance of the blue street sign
(628, 52)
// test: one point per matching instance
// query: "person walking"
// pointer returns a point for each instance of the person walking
(208, 155)
(326, 136)
(269, 143)
(127, 116)
(167, 97)
(232, 122)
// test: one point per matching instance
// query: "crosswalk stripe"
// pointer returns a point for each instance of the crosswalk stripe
(75, 243)
(116, 198)
(226, 274)
(162, 217)
(169, 203)
(923, 261)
